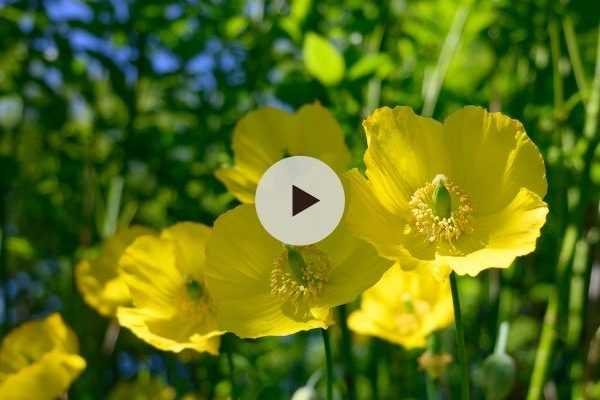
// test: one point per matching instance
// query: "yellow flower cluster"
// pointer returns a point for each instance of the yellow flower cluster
(463, 195)
(460, 196)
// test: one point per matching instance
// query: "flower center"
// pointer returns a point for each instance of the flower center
(298, 277)
(194, 299)
(441, 211)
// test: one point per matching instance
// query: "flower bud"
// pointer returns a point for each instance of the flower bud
(497, 376)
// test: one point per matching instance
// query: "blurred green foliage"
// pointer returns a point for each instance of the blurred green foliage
(113, 112)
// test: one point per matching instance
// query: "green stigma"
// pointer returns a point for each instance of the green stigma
(441, 200)
(194, 289)
(296, 263)
(408, 305)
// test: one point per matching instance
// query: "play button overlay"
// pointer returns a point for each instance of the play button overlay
(299, 200)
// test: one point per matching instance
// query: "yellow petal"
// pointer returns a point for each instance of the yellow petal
(492, 158)
(176, 334)
(355, 267)
(240, 256)
(368, 219)
(259, 140)
(405, 151)
(39, 360)
(190, 242)
(510, 233)
(157, 271)
(363, 323)
(404, 307)
(266, 135)
(317, 134)
(146, 259)
(98, 280)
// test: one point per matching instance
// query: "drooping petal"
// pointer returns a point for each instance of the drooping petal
(240, 258)
(492, 158)
(510, 233)
(404, 152)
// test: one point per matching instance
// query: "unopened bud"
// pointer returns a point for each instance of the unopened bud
(497, 376)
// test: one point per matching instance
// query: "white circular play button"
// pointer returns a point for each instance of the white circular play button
(300, 200)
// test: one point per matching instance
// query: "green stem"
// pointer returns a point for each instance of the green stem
(4, 306)
(460, 337)
(502, 340)
(434, 347)
(573, 50)
(434, 83)
(557, 85)
(432, 393)
(328, 363)
(347, 357)
(548, 336)
(231, 366)
(544, 351)
(374, 367)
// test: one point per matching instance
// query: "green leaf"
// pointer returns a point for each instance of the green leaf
(322, 59)
(235, 26)
(380, 64)
(300, 9)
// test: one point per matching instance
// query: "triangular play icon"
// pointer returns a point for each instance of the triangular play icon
(301, 200)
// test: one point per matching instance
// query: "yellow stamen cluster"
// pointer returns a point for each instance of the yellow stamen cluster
(299, 285)
(410, 317)
(437, 228)
(193, 300)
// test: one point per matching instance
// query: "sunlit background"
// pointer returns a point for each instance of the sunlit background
(118, 112)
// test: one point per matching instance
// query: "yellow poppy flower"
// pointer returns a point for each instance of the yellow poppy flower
(263, 137)
(172, 310)
(404, 307)
(466, 194)
(263, 288)
(98, 279)
(145, 387)
(39, 360)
